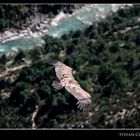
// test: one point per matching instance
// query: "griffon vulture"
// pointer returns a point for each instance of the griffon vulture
(65, 76)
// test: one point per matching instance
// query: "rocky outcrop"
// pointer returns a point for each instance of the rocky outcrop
(36, 25)
(37, 28)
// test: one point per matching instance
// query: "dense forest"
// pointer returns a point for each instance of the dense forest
(106, 60)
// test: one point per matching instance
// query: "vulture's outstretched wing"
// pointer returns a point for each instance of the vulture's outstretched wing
(83, 97)
(71, 85)
(61, 69)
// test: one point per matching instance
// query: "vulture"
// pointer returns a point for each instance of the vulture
(64, 74)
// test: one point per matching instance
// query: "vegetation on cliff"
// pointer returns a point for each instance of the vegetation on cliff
(105, 57)
(19, 16)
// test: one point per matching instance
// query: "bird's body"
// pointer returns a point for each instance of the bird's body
(65, 76)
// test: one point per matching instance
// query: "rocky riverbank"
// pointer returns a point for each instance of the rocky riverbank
(36, 25)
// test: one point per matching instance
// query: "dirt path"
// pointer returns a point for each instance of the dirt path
(33, 117)
(9, 70)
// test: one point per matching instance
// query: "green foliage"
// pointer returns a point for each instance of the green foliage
(3, 59)
(35, 54)
(19, 57)
(2, 67)
(107, 65)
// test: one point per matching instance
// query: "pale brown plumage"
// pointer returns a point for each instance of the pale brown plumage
(64, 74)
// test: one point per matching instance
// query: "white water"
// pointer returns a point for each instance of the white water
(78, 20)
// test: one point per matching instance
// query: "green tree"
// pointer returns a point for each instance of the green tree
(3, 59)
(35, 54)
(18, 58)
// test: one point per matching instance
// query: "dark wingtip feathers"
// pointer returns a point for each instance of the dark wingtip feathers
(51, 61)
(84, 104)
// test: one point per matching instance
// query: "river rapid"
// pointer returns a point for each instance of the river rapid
(79, 19)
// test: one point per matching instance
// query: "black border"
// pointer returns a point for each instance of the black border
(67, 134)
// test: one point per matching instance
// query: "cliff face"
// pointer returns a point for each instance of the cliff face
(16, 16)
(27, 20)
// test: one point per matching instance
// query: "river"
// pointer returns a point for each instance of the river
(78, 20)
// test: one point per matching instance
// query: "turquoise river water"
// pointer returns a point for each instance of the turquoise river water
(78, 20)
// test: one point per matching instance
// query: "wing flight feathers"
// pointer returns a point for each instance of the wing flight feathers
(63, 72)
(83, 97)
